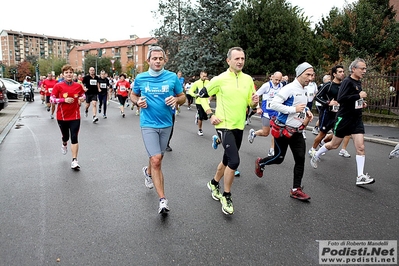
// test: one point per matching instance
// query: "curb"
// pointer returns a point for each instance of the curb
(7, 129)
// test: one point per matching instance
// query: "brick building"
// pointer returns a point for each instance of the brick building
(132, 50)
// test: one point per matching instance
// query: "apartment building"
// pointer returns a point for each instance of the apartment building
(16, 46)
(132, 50)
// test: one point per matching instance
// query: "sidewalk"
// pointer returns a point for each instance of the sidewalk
(377, 134)
(9, 115)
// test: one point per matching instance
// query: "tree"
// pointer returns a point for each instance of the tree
(172, 31)
(102, 63)
(200, 49)
(51, 65)
(274, 35)
(24, 69)
(366, 28)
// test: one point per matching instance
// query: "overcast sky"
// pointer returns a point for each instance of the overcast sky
(79, 20)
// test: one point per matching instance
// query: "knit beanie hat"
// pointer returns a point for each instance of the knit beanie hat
(302, 68)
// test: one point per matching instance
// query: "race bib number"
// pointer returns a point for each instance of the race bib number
(359, 104)
(103, 86)
(122, 88)
(302, 115)
(93, 82)
(50, 90)
(268, 105)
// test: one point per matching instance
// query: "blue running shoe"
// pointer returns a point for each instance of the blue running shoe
(215, 141)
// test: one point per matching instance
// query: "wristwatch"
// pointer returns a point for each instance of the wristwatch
(209, 115)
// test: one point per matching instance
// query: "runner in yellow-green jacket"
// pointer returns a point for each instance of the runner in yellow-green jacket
(234, 91)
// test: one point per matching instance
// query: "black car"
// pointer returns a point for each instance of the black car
(3, 96)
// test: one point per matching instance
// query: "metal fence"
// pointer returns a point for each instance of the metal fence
(382, 92)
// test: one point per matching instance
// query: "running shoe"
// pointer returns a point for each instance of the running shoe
(312, 152)
(251, 135)
(394, 152)
(200, 133)
(168, 148)
(163, 206)
(258, 168)
(123, 115)
(105, 116)
(227, 205)
(237, 173)
(215, 141)
(48, 109)
(315, 130)
(95, 119)
(304, 134)
(313, 161)
(52, 116)
(271, 152)
(64, 149)
(364, 180)
(148, 180)
(297, 193)
(216, 195)
(344, 153)
(75, 165)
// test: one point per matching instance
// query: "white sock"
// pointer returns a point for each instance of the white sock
(360, 159)
(322, 150)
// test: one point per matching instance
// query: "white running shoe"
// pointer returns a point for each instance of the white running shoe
(137, 112)
(312, 152)
(163, 206)
(200, 133)
(95, 119)
(304, 134)
(148, 180)
(364, 180)
(251, 135)
(271, 152)
(344, 153)
(75, 165)
(315, 131)
(394, 152)
(64, 149)
(313, 161)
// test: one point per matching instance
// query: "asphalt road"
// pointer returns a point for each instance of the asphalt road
(104, 215)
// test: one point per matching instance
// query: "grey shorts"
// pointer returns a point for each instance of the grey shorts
(155, 139)
(265, 121)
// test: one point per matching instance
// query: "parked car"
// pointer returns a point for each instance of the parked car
(14, 88)
(3, 96)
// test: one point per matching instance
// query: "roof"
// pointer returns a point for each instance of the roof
(122, 43)
(42, 36)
